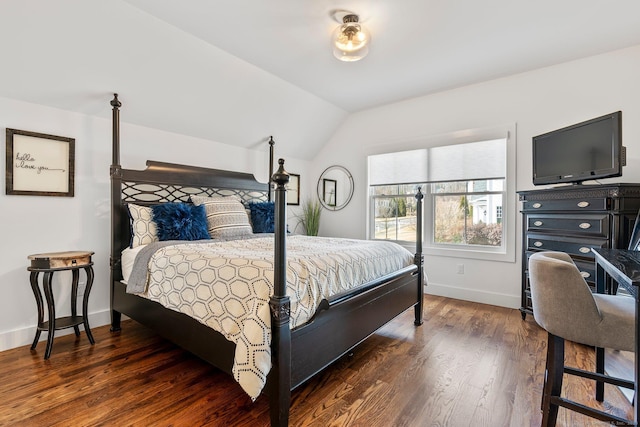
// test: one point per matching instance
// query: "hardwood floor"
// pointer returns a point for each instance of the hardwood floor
(469, 365)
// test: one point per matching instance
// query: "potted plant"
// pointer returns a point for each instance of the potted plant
(310, 217)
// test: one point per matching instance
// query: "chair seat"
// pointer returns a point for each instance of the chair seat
(618, 327)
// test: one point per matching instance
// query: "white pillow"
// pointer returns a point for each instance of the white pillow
(143, 228)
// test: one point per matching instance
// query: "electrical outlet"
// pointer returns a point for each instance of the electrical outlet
(460, 269)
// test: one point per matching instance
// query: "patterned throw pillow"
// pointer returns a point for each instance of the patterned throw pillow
(143, 229)
(180, 221)
(226, 216)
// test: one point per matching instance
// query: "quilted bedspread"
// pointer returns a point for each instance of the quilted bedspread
(227, 285)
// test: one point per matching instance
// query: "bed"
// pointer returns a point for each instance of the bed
(356, 312)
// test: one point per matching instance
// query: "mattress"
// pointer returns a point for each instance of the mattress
(227, 285)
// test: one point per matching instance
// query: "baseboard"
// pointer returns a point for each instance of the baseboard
(475, 295)
(23, 337)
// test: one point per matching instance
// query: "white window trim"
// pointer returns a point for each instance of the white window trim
(507, 253)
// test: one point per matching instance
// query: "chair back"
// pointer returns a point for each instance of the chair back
(562, 301)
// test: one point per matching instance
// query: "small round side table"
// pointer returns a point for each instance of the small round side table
(49, 263)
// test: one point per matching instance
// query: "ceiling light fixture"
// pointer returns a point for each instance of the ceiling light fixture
(351, 39)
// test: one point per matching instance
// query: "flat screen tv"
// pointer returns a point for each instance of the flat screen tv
(581, 152)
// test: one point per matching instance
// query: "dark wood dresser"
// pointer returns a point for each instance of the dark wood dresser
(574, 219)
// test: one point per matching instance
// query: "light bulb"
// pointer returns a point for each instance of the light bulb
(350, 40)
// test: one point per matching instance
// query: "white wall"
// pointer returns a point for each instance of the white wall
(36, 224)
(537, 101)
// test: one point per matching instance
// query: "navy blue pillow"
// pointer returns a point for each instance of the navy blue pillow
(262, 217)
(180, 221)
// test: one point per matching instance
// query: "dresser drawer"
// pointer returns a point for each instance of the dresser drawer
(592, 225)
(588, 271)
(577, 205)
(572, 246)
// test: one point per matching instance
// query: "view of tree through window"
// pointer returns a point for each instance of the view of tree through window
(464, 212)
(394, 208)
(468, 212)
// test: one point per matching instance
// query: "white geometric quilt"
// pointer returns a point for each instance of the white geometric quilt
(227, 285)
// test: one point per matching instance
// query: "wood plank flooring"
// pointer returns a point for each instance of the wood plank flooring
(469, 365)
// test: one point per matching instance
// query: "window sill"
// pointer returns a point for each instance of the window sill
(471, 253)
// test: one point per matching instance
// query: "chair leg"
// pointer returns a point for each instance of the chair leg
(600, 370)
(553, 380)
(546, 375)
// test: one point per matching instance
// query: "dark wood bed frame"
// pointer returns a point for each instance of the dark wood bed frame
(339, 324)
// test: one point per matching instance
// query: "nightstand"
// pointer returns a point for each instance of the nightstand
(49, 263)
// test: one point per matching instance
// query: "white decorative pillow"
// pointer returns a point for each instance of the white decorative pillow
(143, 228)
(226, 216)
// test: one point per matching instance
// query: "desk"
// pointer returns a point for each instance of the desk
(48, 264)
(623, 266)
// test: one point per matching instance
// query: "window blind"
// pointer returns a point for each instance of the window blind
(466, 162)
(458, 162)
(402, 167)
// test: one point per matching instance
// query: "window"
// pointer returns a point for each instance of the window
(393, 181)
(466, 188)
(464, 212)
(394, 208)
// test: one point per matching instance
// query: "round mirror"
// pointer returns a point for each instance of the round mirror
(335, 188)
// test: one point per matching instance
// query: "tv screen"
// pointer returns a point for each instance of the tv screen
(584, 151)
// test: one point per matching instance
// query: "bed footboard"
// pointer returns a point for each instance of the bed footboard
(315, 345)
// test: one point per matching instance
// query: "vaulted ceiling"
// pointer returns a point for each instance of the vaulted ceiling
(238, 71)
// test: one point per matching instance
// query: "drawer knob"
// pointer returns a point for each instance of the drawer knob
(537, 244)
(585, 250)
(584, 225)
(537, 223)
(536, 205)
(583, 204)
(585, 274)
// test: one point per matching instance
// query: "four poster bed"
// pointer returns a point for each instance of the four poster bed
(297, 345)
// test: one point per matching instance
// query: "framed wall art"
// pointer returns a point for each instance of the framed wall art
(293, 190)
(39, 164)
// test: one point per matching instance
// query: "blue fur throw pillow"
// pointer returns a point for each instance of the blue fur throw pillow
(180, 221)
(262, 217)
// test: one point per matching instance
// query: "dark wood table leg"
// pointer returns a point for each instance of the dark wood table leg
(75, 275)
(48, 294)
(85, 303)
(637, 365)
(36, 292)
(601, 279)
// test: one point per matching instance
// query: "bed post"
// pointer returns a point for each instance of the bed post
(116, 214)
(280, 392)
(419, 259)
(271, 144)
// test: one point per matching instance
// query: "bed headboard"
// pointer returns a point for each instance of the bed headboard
(166, 182)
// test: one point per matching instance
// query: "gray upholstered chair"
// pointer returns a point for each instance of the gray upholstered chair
(565, 307)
